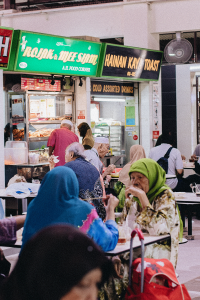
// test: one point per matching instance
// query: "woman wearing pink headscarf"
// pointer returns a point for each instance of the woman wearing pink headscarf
(136, 152)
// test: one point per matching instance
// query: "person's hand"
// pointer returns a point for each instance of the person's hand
(117, 266)
(110, 169)
(194, 158)
(140, 194)
(51, 162)
(183, 157)
(136, 192)
(108, 178)
(112, 202)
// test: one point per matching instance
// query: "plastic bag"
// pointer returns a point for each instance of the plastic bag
(22, 189)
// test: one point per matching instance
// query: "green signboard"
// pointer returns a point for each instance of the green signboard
(40, 53)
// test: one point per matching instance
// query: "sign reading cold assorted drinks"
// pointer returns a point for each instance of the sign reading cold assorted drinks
(131, 63)
(56, 55)
(112, 88)
(6, 35)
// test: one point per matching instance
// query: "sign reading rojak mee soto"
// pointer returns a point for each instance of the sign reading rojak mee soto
(56, 55)
(131, 63)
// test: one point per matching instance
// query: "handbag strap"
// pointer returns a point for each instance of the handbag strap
(168, 152)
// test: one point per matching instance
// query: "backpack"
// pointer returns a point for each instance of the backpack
(163, 161)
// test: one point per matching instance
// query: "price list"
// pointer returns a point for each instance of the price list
(40, 84)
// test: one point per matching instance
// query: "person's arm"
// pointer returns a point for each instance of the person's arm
(140, 194)
(51, 150)
(110, 208)
(19, 221)
(108, 170)
(106, 234)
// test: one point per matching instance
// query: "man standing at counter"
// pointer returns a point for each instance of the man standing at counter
(100, 149)
(59, 140)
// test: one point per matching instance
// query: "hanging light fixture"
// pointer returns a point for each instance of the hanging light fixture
(63, 82)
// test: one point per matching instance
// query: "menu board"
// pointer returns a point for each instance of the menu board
(40, 84)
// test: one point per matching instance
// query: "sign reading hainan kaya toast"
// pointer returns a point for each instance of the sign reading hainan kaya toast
(131, 63)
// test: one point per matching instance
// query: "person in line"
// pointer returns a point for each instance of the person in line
(175, 163)
(58, 263)
(59, 139)
(91, 187)
(57, 202)
(86, 133)
(100, 149)
(136, 152)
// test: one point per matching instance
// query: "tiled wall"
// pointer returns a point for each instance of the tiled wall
(169, 119)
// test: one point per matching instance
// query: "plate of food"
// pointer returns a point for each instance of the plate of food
(179, 195)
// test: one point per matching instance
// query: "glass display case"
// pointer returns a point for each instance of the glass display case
(46, 111)
(115, 133)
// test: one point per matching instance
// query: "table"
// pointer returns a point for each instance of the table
(148, 240)
(189, 200)
(188, 165)
(170, 176)
(21, 202)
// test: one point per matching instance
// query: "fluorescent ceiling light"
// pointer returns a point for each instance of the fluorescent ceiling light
(195, 68)
(109, 99)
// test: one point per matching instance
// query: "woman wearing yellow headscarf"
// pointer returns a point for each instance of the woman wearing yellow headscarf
(158, 212)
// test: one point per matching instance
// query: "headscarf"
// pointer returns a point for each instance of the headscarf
(52, 263)
(86, 133)
(136, 152)
(57, 202)
(154, 173)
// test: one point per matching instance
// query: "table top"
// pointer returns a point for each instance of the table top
(32, 165)
(188, 165)
(169, 176)
(187, 198)
(148, 239)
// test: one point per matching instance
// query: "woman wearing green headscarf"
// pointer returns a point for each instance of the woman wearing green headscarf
(158, 213)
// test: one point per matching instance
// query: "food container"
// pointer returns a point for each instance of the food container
(33, 158)
(15, 153)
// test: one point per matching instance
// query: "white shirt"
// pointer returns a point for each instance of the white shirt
(174, 161)
(93, 157)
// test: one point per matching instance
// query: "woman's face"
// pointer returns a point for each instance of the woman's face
(87, 288)
(140, 181)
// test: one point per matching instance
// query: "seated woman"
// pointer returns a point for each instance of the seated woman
(58, 263)
(86, 133)
(136, 152)
(57, 202)
(155, 212)
(158, 213)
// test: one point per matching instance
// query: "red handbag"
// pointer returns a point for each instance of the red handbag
(153, 279)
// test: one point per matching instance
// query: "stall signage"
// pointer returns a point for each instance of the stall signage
(56, 55)
(6, 35)
(131, 63)
(40, 84)
(112, 88)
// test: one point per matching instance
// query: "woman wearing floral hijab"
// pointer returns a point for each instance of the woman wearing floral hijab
(158, 214)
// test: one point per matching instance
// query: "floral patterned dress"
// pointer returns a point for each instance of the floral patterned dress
(158, 218)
